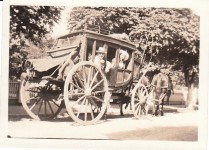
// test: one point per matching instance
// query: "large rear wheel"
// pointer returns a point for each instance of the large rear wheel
(41, 100)
(86, 93)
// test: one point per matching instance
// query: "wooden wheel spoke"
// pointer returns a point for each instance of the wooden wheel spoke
(47, 96)
(136, 105)
(76, 94)
(31, 98)
(78, 113)
(53, 101)
(34, 104)
(98, 92)
(78, 100)
(75, 80)
(79, 80)
(50, 107)
(45, 108)
(86, 106)
(140, 94)
(92, 82)
(97, 84)
(143, 92)
(91, 111)
(32, 91)
(84, 75)
(89, 75)
(137, 110)
(39, 109)
(98, 99)
(137, 96)
(77, 86)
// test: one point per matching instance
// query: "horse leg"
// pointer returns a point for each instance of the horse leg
(168, 97)
(154, 109)
(105, 114)
(99, 109)
(127, 105)
(121, 109)
(157, 109)
(125, 100)
(162, 102)
(161, 111)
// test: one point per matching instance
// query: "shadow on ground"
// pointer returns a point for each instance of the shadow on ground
(67, 118)
(185, 133)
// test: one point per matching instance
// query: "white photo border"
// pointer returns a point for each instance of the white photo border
(203, 10)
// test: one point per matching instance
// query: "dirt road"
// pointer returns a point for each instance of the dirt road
(172, 127)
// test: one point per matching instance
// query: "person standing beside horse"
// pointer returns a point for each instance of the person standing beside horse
(169, 89)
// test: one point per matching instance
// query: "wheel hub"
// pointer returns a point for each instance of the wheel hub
(88, 92)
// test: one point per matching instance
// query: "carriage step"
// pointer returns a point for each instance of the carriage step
(50, 78)
(47, 78)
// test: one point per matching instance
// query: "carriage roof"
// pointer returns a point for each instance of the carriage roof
(102, 37)
(61, 53)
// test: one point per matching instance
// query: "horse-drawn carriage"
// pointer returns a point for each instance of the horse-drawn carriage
(70, 78)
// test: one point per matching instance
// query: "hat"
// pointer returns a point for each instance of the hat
(122, 52)
(101, 50)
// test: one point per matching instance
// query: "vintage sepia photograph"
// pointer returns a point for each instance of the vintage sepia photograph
(105, 73)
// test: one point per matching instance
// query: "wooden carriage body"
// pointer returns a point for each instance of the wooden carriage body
(86, 43)
(89, 89)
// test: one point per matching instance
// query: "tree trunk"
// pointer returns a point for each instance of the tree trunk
(192, 96)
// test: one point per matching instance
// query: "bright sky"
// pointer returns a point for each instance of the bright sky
(61, 27)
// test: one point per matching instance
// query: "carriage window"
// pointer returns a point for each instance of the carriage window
(125, 66)
(125, 59)
(89, 51)
(111, 53)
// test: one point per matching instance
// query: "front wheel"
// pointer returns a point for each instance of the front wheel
(139, 103)
(86, 93)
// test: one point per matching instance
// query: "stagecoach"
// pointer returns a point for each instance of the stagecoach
(67, 78)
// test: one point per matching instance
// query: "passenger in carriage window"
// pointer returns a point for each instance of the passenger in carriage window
(100, 57)
(123, 56)
(100, 60)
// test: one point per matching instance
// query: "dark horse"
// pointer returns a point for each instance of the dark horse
(160, 85)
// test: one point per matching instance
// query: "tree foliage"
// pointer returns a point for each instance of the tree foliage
(29, 25)
(169, 36)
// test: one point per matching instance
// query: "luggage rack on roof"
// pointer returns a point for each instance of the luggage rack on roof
(97, 28)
